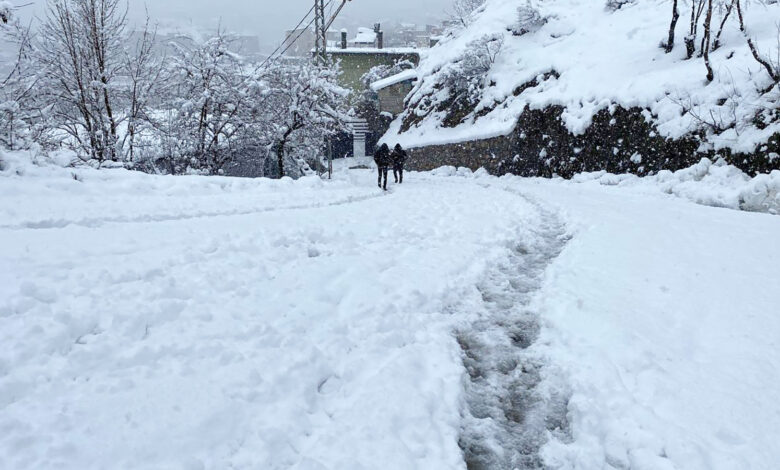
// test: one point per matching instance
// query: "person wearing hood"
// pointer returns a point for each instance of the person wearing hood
(399, 157)
(382, 159)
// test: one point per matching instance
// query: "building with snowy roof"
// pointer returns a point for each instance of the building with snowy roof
(392, 91)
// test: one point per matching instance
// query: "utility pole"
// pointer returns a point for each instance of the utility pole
(320, 32)
(321, 26)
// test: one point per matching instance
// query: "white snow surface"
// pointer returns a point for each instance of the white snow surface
(209, 323)
(604, 58)
(365, 36)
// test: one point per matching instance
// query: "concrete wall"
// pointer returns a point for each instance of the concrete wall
(487, 153)
(541, 145)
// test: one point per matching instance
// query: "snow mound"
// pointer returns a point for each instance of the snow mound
(712, 184)
(708, 183)
(92, 195)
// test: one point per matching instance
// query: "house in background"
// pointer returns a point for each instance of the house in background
(392, 91)
(368, 38)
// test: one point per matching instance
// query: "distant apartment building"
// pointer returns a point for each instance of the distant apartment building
(168, 41)
(300, 42)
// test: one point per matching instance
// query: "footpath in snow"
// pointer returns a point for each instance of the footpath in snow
(458, 321)
(660, 316)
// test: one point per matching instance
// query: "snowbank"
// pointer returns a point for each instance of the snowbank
(711, 184)
(91, 197)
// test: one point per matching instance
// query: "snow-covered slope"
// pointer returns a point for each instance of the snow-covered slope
(586, 57)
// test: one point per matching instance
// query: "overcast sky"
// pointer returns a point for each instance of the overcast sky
(270, 18)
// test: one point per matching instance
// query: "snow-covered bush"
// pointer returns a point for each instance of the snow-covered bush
(618, 4)
(529, 19)
(302, 106)
(6, 12)
(21, 109)
(79, 51)
(200, 124)
(762, 194)
(463, 10)
(465, 78)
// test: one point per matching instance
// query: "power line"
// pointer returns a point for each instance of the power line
(302, 31)
(296, 37)
(292, 42)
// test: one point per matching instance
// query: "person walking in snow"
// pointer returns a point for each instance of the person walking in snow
(382, 159)
(399, 157)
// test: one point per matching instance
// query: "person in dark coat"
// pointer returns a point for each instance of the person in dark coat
(382, 160)
(399, 157)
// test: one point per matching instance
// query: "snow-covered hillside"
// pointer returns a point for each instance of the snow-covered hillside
(156, 322)
(585, 57)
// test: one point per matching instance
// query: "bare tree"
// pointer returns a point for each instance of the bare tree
(729, 9)
(771, 69)
(21, 111)
(143, 71)
(706, 41)
(80, 51)
(462, 10)
(697, 7)
(669, 45)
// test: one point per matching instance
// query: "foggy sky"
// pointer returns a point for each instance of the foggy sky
(268, 18)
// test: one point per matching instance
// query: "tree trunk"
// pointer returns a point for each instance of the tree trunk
(280, 150)
(729, 8)
(706, 38)
(775, 74)
(672, 27)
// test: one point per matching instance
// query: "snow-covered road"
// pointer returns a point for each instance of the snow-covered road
(213, 323)
(281, 325)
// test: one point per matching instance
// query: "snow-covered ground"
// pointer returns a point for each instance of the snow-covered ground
(152, 322)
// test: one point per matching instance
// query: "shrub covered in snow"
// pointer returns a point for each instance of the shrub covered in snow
(460, 84)
(466, 77)
(463, 10)
(618, 4)
(6, 12)
(529, 19)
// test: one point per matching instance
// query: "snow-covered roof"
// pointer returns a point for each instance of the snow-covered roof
(374, 50)
(365, 36)
(409, 74)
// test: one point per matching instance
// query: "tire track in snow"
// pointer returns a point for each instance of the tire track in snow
(94, 222)
(510, 410)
